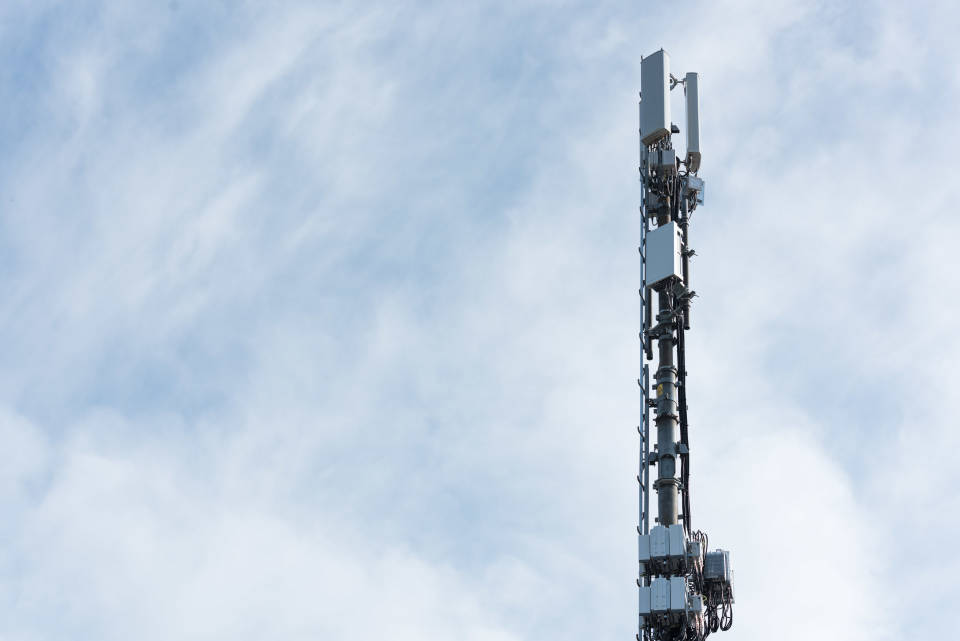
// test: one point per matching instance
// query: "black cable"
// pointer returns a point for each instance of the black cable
(684, 433)
(726, 621)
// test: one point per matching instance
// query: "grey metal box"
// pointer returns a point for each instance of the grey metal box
(678, 593)
(660, 595)
(644, 548)
(692, 93)
(654, 97)
(663, 254)
(677, 540)
(664, 161)
(645, 600)
(659, 542)
(696, 603)
(716, 565)
(695, 187)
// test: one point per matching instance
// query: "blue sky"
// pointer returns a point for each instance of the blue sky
(320, 318)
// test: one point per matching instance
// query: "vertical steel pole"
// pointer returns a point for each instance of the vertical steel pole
(666, 420)
(666, 414)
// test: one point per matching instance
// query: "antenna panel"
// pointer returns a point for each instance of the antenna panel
(692, 92)
(654, 97)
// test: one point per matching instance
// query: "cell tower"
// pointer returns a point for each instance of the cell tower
(686, 590)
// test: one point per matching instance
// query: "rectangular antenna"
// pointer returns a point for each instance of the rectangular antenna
(654, 97)
(693, 121)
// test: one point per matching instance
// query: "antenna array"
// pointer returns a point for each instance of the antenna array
(686, 590)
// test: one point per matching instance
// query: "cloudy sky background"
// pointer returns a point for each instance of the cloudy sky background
(319, 320)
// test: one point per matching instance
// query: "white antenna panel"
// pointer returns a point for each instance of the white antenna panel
(693, 120)
(654, 97)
